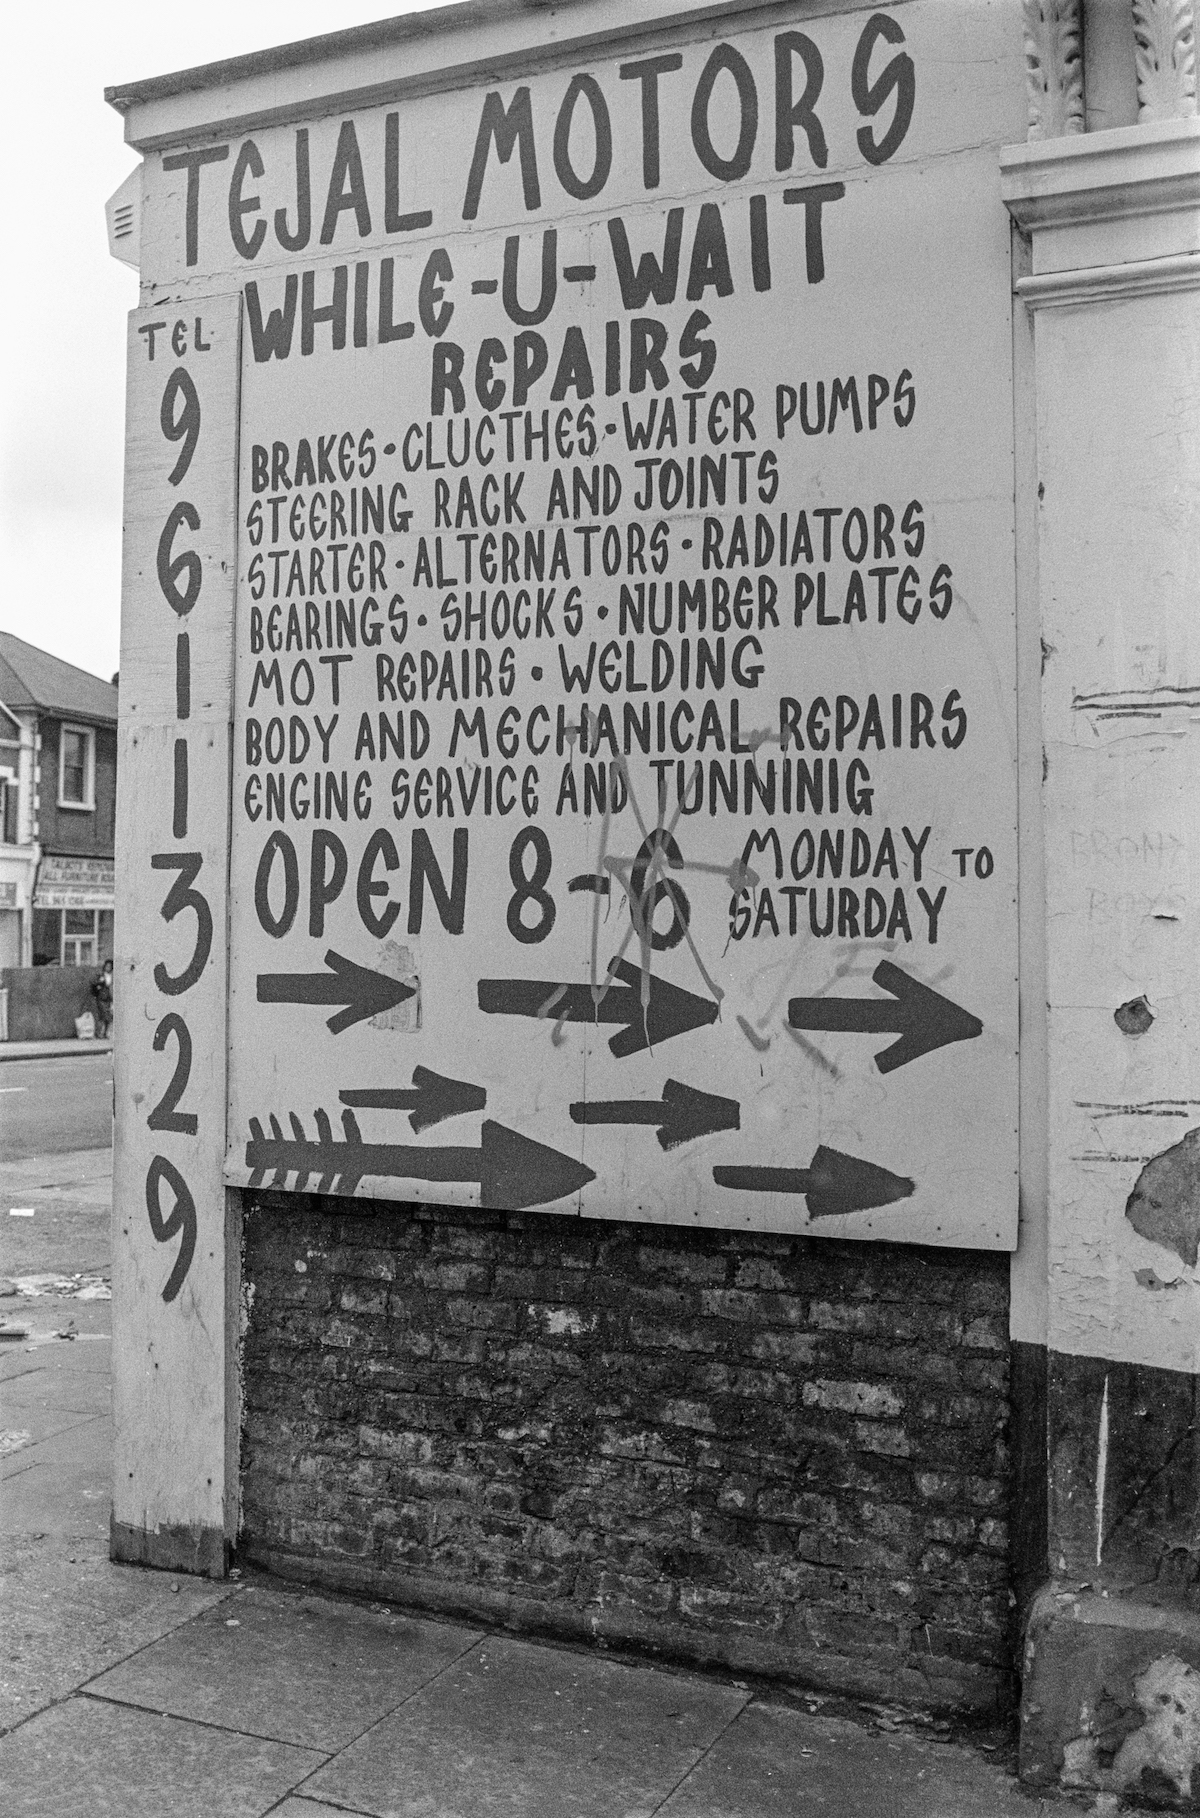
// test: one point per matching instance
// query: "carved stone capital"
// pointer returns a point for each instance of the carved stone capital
(1054, 67)
(1164, 36)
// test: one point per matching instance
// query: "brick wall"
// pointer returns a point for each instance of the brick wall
(782, 1455)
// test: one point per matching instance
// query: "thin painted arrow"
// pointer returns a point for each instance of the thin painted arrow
(682, 1113)
(513, 1171)
(431, 1099)
(833, 1183)
(362, 992)
(669, 1011)
(923, 1019)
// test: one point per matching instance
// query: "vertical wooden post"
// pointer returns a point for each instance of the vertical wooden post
(175, 1254)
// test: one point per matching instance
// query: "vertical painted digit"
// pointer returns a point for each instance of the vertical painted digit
(183, 676)
(181, 896)
(187, 563)
(179, 804)
(185, 427)
(180, 1221)
(166, 1114)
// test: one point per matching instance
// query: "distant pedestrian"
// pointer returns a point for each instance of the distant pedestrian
(102, 991)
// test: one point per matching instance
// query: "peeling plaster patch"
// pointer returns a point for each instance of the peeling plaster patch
(399, 962)
(1165, 1203)
(1168, 1743)
(1146, 1278)
(1134, 1017)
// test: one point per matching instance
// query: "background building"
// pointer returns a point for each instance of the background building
(18, 851)
(58, 778)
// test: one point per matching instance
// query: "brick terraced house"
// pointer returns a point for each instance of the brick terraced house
(58, 774)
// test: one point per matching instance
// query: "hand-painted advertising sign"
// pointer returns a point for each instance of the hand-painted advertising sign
(624, 792)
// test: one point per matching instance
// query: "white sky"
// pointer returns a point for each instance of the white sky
(63, 300)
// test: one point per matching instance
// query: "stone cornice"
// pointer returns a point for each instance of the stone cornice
(1097, 283)
(1126, 172)
(415, 54)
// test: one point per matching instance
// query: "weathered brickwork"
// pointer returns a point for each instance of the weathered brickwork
(783, 1455)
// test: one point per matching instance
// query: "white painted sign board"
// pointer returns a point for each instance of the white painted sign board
(623, 808)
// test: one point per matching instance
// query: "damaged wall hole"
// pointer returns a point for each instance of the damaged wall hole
(1134, 1017)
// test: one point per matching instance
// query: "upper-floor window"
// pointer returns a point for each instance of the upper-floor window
(77, 767)
(8, 808)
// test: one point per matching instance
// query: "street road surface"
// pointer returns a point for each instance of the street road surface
(53, 1106)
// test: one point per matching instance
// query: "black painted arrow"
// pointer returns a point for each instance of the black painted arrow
(670, 1011)
(833, 1183)
(513, 1171)
(923, 1019)
(430, 1098)
(682, 1114)
(362, 992)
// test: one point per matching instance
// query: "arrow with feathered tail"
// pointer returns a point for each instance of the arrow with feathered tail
(512, 1170)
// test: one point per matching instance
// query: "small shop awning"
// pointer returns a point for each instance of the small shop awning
(74, 883)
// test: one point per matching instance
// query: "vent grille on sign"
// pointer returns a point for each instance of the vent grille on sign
(123, 212)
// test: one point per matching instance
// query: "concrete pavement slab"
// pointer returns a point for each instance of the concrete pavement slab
(46, 1384)
(776, 1762)
(111, 1761)
(71, 1196)
(297, 1806)
(57, 1390)
(69, 1613)
(520, 1731)
(43, 1423)
(299, 1669)
(60, 1485)
(45, 1378)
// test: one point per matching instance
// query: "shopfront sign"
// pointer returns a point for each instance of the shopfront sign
(74, 883)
